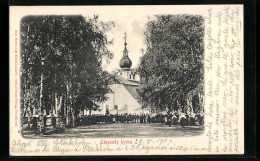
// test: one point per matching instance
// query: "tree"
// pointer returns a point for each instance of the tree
(172, 66)
(61, 63)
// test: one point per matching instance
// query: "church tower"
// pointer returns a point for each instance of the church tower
(125, 65)
(124, 97)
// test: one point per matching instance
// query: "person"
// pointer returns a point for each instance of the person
(127, 118)
(131, 118)
(44, 120)
(105, 118)
(94, 120)
(201, 120)
(87, 120)
(123, 118)
(183, 120)
(41, 124)
(117, 118)
(137, 118)
(114, 119)
(34, 123)
(170, 120)
(110, 118)
(144, 117)
(156, 118)
(192, 119)
(53, 121)
(120, 118)
(90, 118)
(165, 120)
(162, 118)
(98, 119)
(174, 119)
(177, 116)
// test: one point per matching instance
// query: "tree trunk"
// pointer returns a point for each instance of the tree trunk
(41, 86)
(73, 118)
(62, 106)
(55, 104)
(67, 110)
(29, 113)
(41, 95)
(66, 105)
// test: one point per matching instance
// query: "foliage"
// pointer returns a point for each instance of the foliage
(61, 62)
(173, 63)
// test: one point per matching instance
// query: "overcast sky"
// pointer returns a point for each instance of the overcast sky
(134, 27)
(129, 19)
(132, 20)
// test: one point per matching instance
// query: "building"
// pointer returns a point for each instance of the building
(124, 97)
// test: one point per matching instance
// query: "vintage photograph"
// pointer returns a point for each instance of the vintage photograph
(126, 80)
(82, 77)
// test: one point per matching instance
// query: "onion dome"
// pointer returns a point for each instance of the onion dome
(125, 62)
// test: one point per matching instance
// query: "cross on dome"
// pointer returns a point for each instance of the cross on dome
(125, 39)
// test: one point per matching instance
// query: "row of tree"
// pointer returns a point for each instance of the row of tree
(61, 60)
(171, 69)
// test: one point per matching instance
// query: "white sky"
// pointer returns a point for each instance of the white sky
(132, 20)
(129, 19)
(133, 26)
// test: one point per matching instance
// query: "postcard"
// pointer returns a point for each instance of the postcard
(126, 80)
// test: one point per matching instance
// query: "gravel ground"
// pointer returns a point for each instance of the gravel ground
(136, 130)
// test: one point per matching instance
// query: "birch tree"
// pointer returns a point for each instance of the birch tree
(172, 65)
(61, 58)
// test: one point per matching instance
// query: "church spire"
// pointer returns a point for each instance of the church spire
(125, 52)
(125, 62)
(125, 40)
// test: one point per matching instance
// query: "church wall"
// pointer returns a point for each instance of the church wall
(137, 77)
(107, 104)
(123, 99)
(129, 75)
(124, 74)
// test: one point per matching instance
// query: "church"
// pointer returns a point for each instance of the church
(123, 98)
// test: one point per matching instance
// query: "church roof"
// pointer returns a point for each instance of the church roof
(133, 91)
(122, 80)
(131, 86)
(125, 62)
